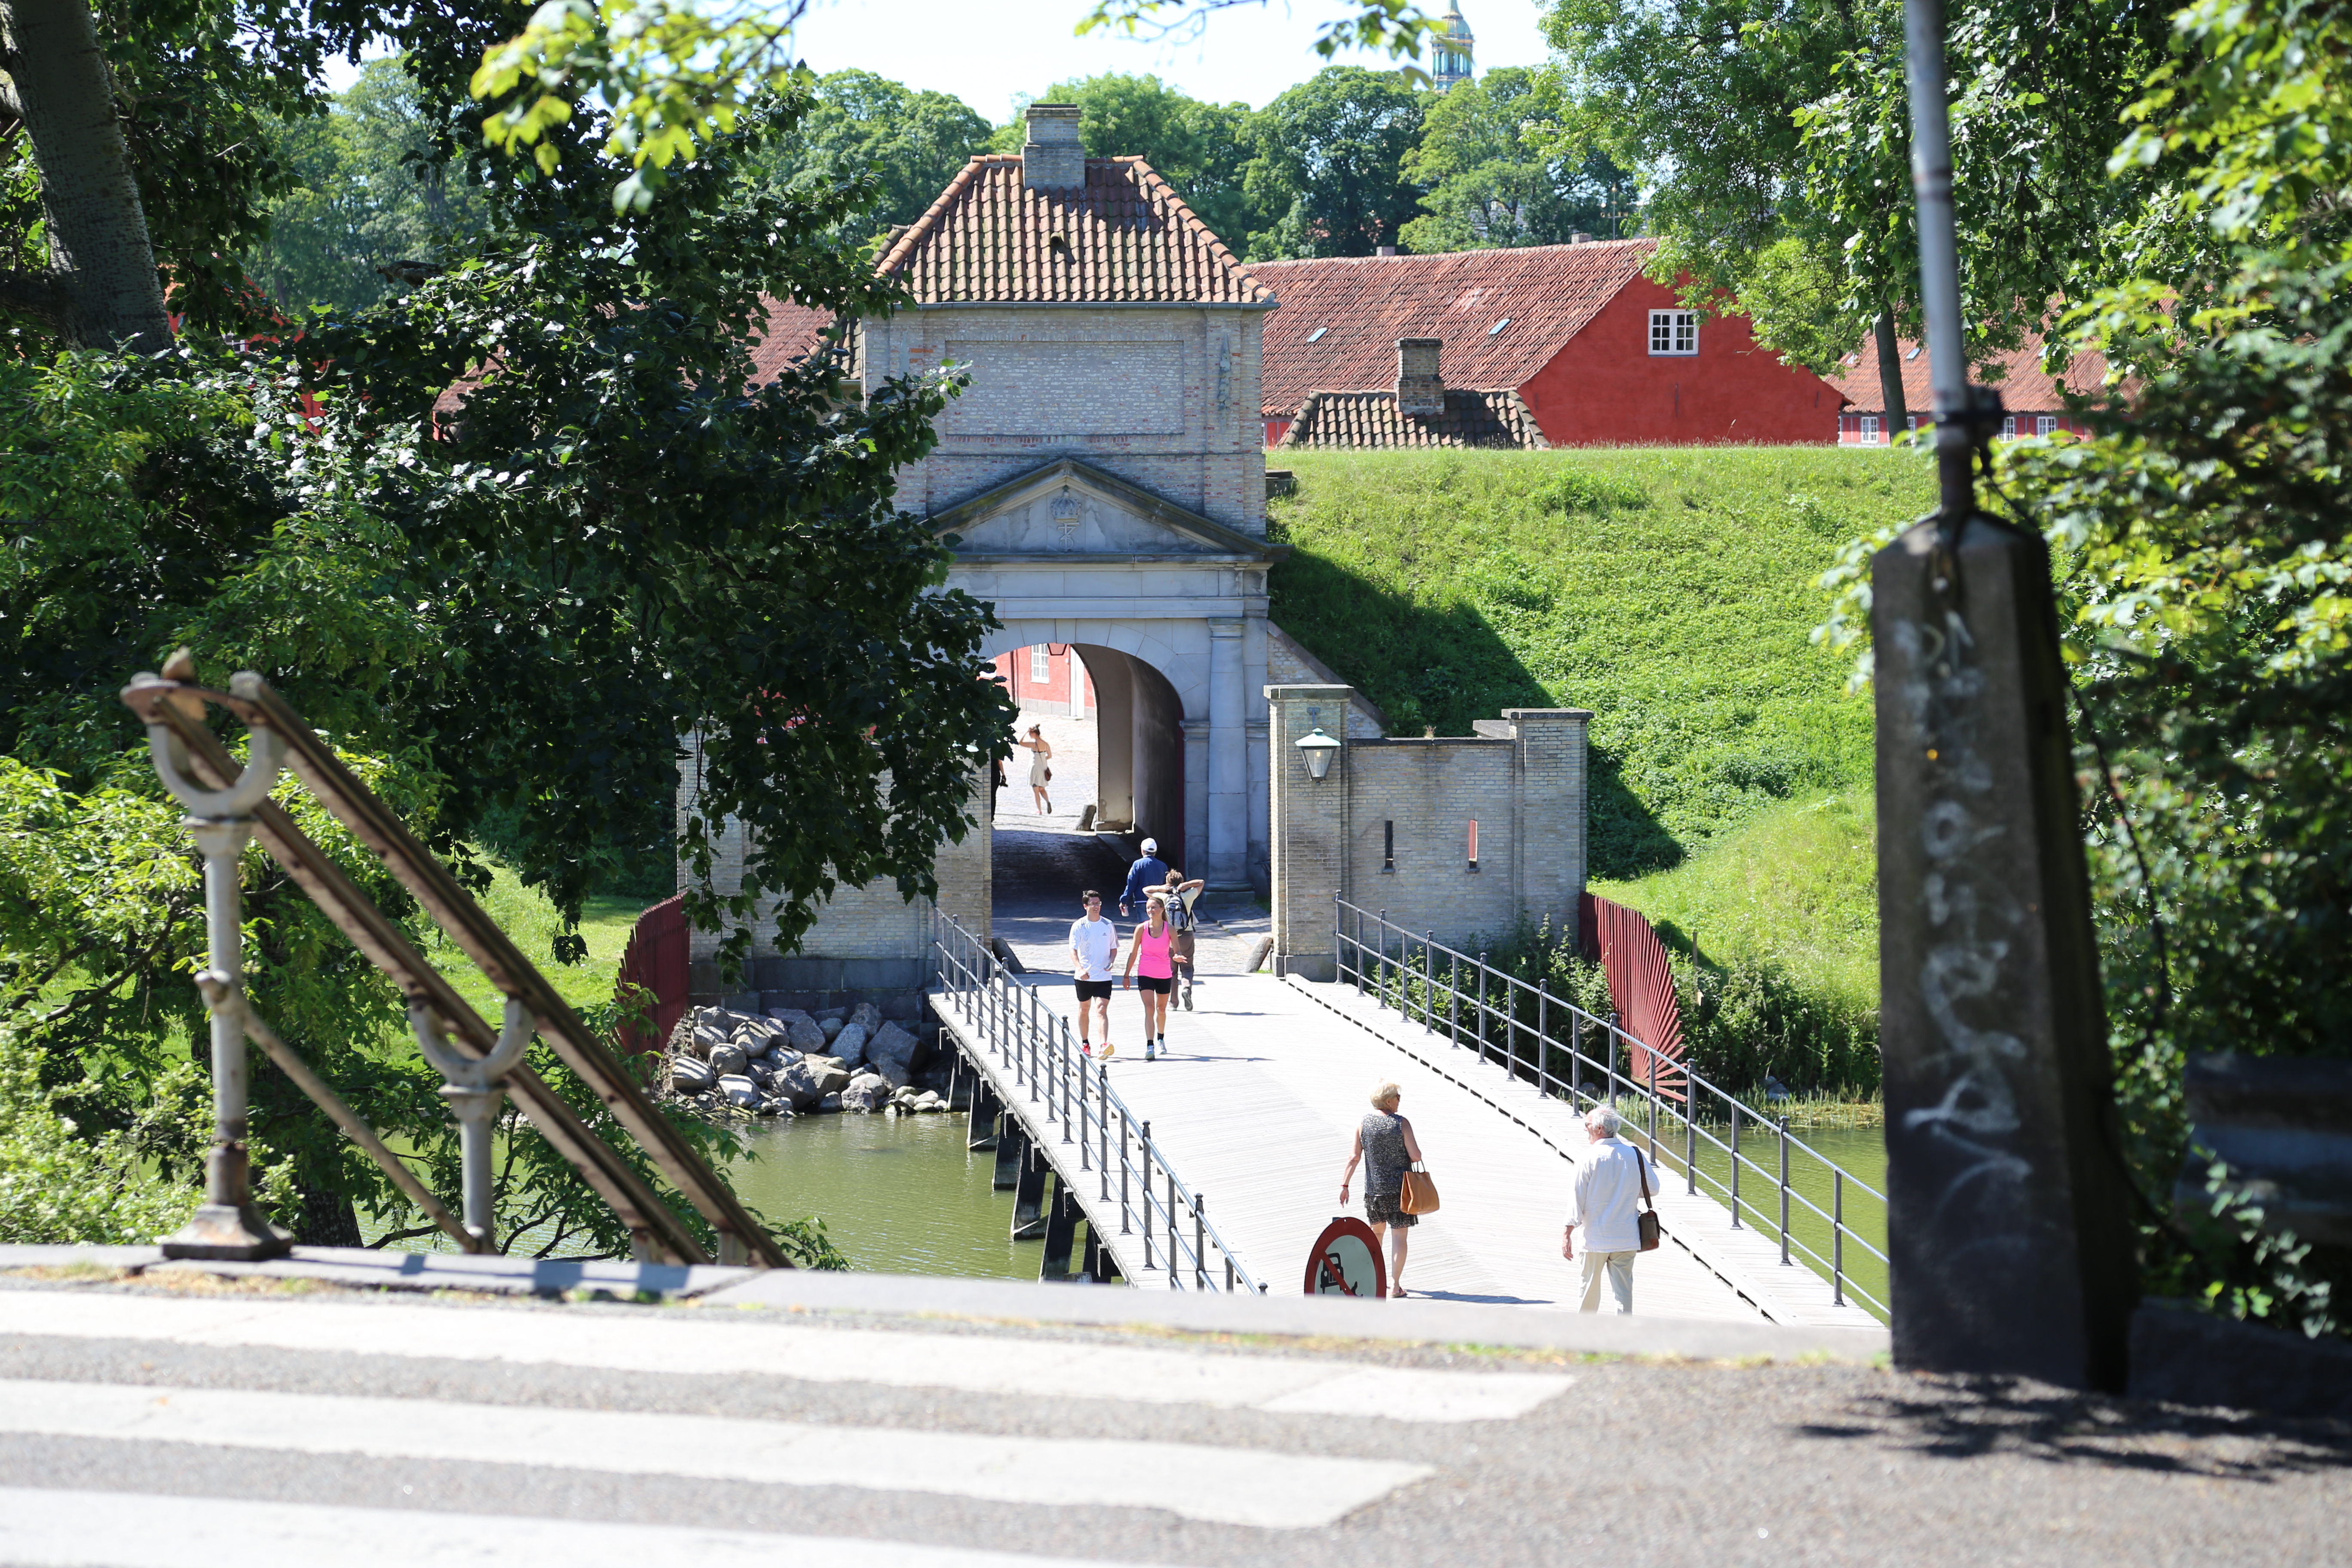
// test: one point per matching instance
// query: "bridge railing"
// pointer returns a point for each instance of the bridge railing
(1071, 1093)
(1541, 1039)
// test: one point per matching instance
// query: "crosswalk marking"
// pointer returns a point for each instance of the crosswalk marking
(1227, 1486)
(123, 1530)
(671, 1343)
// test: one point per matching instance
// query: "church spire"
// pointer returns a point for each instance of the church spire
(1449, 56)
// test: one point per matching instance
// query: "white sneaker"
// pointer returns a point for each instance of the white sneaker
(1148, 1053)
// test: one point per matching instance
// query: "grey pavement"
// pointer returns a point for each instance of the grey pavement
(348, 1425)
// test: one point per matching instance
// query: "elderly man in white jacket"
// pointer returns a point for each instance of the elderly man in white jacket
(1606, 1202)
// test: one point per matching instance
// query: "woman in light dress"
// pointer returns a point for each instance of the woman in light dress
(1041, 752)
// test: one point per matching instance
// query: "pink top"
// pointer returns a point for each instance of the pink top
(1151, 958)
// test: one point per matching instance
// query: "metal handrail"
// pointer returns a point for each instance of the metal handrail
(1391, 980)
(1041, 1057)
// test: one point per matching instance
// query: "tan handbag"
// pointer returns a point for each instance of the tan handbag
(1645, 1222)
(1419, 1194)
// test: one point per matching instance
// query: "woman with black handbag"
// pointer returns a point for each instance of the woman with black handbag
(1389, 1152)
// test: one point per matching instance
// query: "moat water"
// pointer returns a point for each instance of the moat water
(899, 1194)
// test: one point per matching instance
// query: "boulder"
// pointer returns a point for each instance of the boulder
(742, 1091)
(777, 1107)
(891, 1052)
(727, 1060)
(831, 1015)
(831, 1078)
(866, 1092)
(691, 1076)
(830, 1102)
(710, 1027)
(831, 1026)
(804, 1037)
(788, 1015)
(756, 1039)
(797, 1083)
(849, 1045)
(866, 1016)
(929, 1102)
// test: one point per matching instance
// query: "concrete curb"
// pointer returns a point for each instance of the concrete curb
(368, 1269)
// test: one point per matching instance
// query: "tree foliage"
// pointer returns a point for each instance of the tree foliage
(1496, 177)
(1202, 149)
(1329, 166)
(898, 146)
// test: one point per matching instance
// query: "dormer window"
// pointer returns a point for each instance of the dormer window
(1498, 326)
(1316, 336)
(1674, 332)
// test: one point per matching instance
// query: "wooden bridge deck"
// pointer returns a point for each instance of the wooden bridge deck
(1254, 1106)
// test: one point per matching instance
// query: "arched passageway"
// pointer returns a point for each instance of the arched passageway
(1139, 748)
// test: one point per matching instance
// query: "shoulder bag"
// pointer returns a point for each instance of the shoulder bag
(1645, 1222)
(1419, 1193)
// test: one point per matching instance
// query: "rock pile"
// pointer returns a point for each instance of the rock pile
(786, 1062)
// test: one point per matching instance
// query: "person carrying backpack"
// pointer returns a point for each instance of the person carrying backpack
(1183, 914)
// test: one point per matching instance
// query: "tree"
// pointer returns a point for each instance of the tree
(1492, 181)
(1329, 167)
(1201, 149)
(864, 128)
(368, 184)
(517, 595)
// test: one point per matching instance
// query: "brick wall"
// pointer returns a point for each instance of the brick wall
(1388, 828)
(868, 943)
(1165, 398)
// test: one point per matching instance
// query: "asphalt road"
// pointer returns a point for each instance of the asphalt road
(342, 1427)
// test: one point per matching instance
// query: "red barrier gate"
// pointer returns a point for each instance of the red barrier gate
(1641, 985)
(656, 960)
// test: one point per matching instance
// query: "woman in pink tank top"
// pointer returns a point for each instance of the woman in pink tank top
(1151, 951)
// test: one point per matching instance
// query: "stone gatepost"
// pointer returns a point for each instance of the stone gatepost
(1308, 844)
(1551, 805)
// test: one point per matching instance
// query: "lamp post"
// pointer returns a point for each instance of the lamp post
(1316, 751)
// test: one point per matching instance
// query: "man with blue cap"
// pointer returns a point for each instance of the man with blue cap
(1149, 872)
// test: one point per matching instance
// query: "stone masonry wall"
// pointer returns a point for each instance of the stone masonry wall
(1388, 829)
(869, 943)
(1165, 398)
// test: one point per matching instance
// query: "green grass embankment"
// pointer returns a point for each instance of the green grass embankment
(529, 920)
(1671, 591)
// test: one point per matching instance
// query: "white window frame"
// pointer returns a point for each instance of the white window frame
(2008, 425)
(1677, 331)
(1870, 428)
(1041, 665)
(2045, 423)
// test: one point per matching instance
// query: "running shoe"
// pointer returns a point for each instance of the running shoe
(1149, 1053)
(1188, 998)
(1109, 1051)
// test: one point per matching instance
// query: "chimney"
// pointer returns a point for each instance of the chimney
(1421, 387)
(1579, 237)
(1385, 250)
(1052, 159)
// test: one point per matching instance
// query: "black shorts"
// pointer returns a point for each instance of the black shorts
(1154, 983)
(1094, 990)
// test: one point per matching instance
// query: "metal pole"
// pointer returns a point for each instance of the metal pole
(1380, 981)
(1200, 1242)
(1690, 1138)
(1654, 1107)
(1837, 1236)
(1102, 1141)
(1453, 998)
(1939, 262)
(1126, 1136)
(1079, 1070)
(1735, 1164)
(1143, 1154)
(1428, 982)
(1784, 1192)
(1613, 1058)
(1173, 1272)
(1482, 1004)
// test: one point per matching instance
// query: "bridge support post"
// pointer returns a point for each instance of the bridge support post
(1029, 1196)
(980, 1131)
(1012, 1145)
(1061, 1235)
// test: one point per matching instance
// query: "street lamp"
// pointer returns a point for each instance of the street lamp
(1316, 750)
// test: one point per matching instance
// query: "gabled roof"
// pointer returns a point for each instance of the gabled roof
(1125, 237)
(793, 332)
(1212, 539)
(1549, 293)
(2024, 387)
(1357, 420)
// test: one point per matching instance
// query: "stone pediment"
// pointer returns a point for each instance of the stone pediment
(1072, 509)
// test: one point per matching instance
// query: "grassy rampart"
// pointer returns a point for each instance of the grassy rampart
(1671, 591)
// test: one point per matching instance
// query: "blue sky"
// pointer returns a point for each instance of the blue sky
(985, 53)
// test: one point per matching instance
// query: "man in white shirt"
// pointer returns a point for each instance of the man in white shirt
(1606, 1201)
(1094, 946)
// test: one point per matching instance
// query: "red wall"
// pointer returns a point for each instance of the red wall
(1605, 388)
(1013, 668)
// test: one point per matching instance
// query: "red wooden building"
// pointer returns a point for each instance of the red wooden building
(2035, 401)
(1047, 678)
(1560, 345)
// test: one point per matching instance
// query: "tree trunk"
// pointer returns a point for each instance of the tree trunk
(102, 292)
(1890, 376)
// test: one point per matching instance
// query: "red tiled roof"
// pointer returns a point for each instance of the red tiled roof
(793, 332)
(1357, 420)
(1549, 292)
(1125, 237)
(2024, 387)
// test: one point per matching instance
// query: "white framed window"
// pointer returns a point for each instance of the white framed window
(1870, 436)
(1674, 331)
(2008, 425)
(1041, 664)
(2043, 424)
